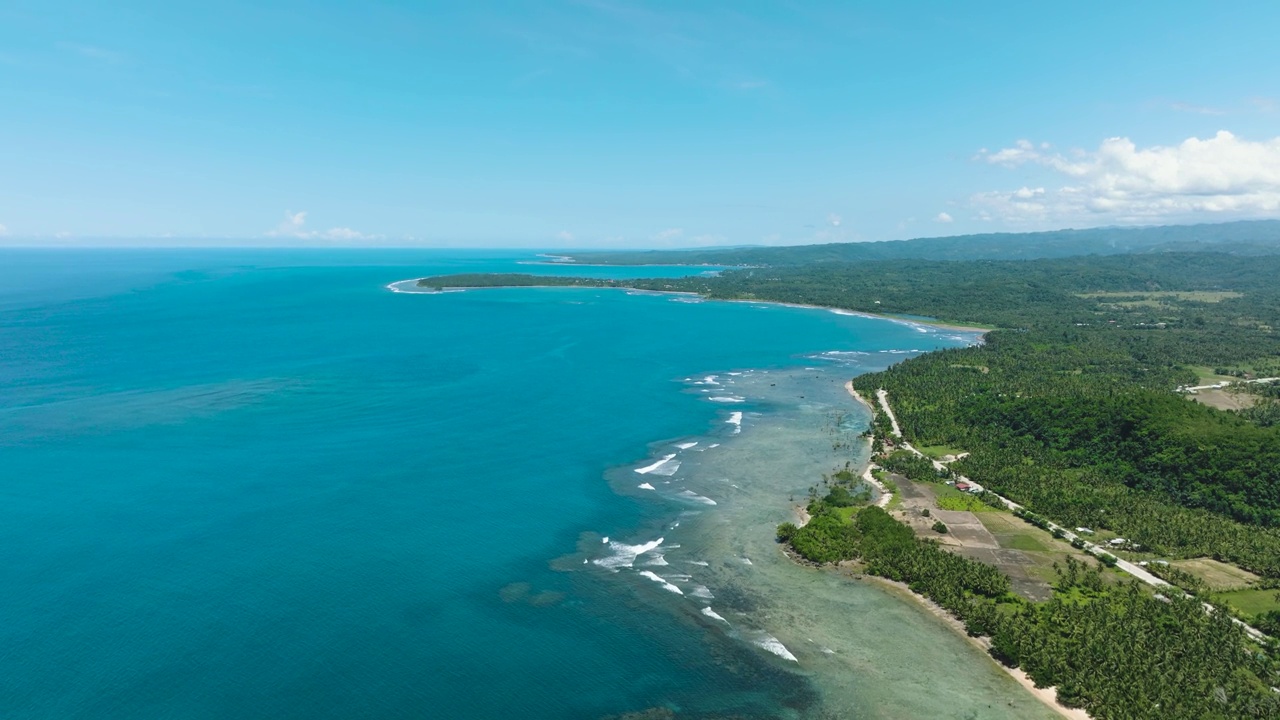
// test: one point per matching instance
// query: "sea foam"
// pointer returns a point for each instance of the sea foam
(714, 615)
(666, 585)
(695, 497)
(658, 467)
(773, 645)
(624, 555)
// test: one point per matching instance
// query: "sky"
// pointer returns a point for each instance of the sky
(609, 123)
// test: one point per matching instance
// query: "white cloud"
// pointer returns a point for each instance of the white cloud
(291, 226)
(294, 226)
(564, 235)
(345, 233)
(944, 217)
(834, 220)
(1196, 109)
(3, 230)
(668, 234)
(1265, 104)
(1120, 182)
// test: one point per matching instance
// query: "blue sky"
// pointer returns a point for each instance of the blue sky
(606, 123)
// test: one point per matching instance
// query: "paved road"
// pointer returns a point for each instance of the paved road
(1225, 383)
(1133, 569)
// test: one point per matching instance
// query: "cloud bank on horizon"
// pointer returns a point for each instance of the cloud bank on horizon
(1197, 179)
(625, 123)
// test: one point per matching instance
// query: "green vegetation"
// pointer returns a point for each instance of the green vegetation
(1072, 409)
(911, 466)
(1210, 573)
(841, 497)
(1241, 237)
(1250, 603)
(1121, 653)
(963, 502)
(937, 452)
(1158, 297)
(1023, 541)
(1112, 649)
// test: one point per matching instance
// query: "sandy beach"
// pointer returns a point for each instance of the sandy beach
(1048, 696)
(410, 286)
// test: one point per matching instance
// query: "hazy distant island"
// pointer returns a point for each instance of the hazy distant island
(1094, 492)
(1244, 237)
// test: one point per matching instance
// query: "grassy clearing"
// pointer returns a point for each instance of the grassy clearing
(937, 452)
(1218, 576)
(848, 512)
(1249, 602)
(1023, 541)
(1208, 376)
(1015, 534)
(948, 498)
(965, 502)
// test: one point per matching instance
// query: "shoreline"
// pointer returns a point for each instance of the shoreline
(1048, 695)
(940, 325)
(1045, 696)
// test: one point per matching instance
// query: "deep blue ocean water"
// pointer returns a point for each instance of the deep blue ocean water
(257, 484)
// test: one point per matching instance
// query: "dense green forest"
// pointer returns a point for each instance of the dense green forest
(1070, 407)
(1115, 650)
(1250, 237)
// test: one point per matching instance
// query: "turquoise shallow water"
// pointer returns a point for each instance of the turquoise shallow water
(257, 484)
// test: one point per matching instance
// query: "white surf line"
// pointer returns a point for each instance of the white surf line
(714, 615)
(650, 468)
(659, 579)
(775, 646)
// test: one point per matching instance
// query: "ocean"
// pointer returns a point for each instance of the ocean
(260, 484)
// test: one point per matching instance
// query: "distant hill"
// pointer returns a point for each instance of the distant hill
(1257, 237)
